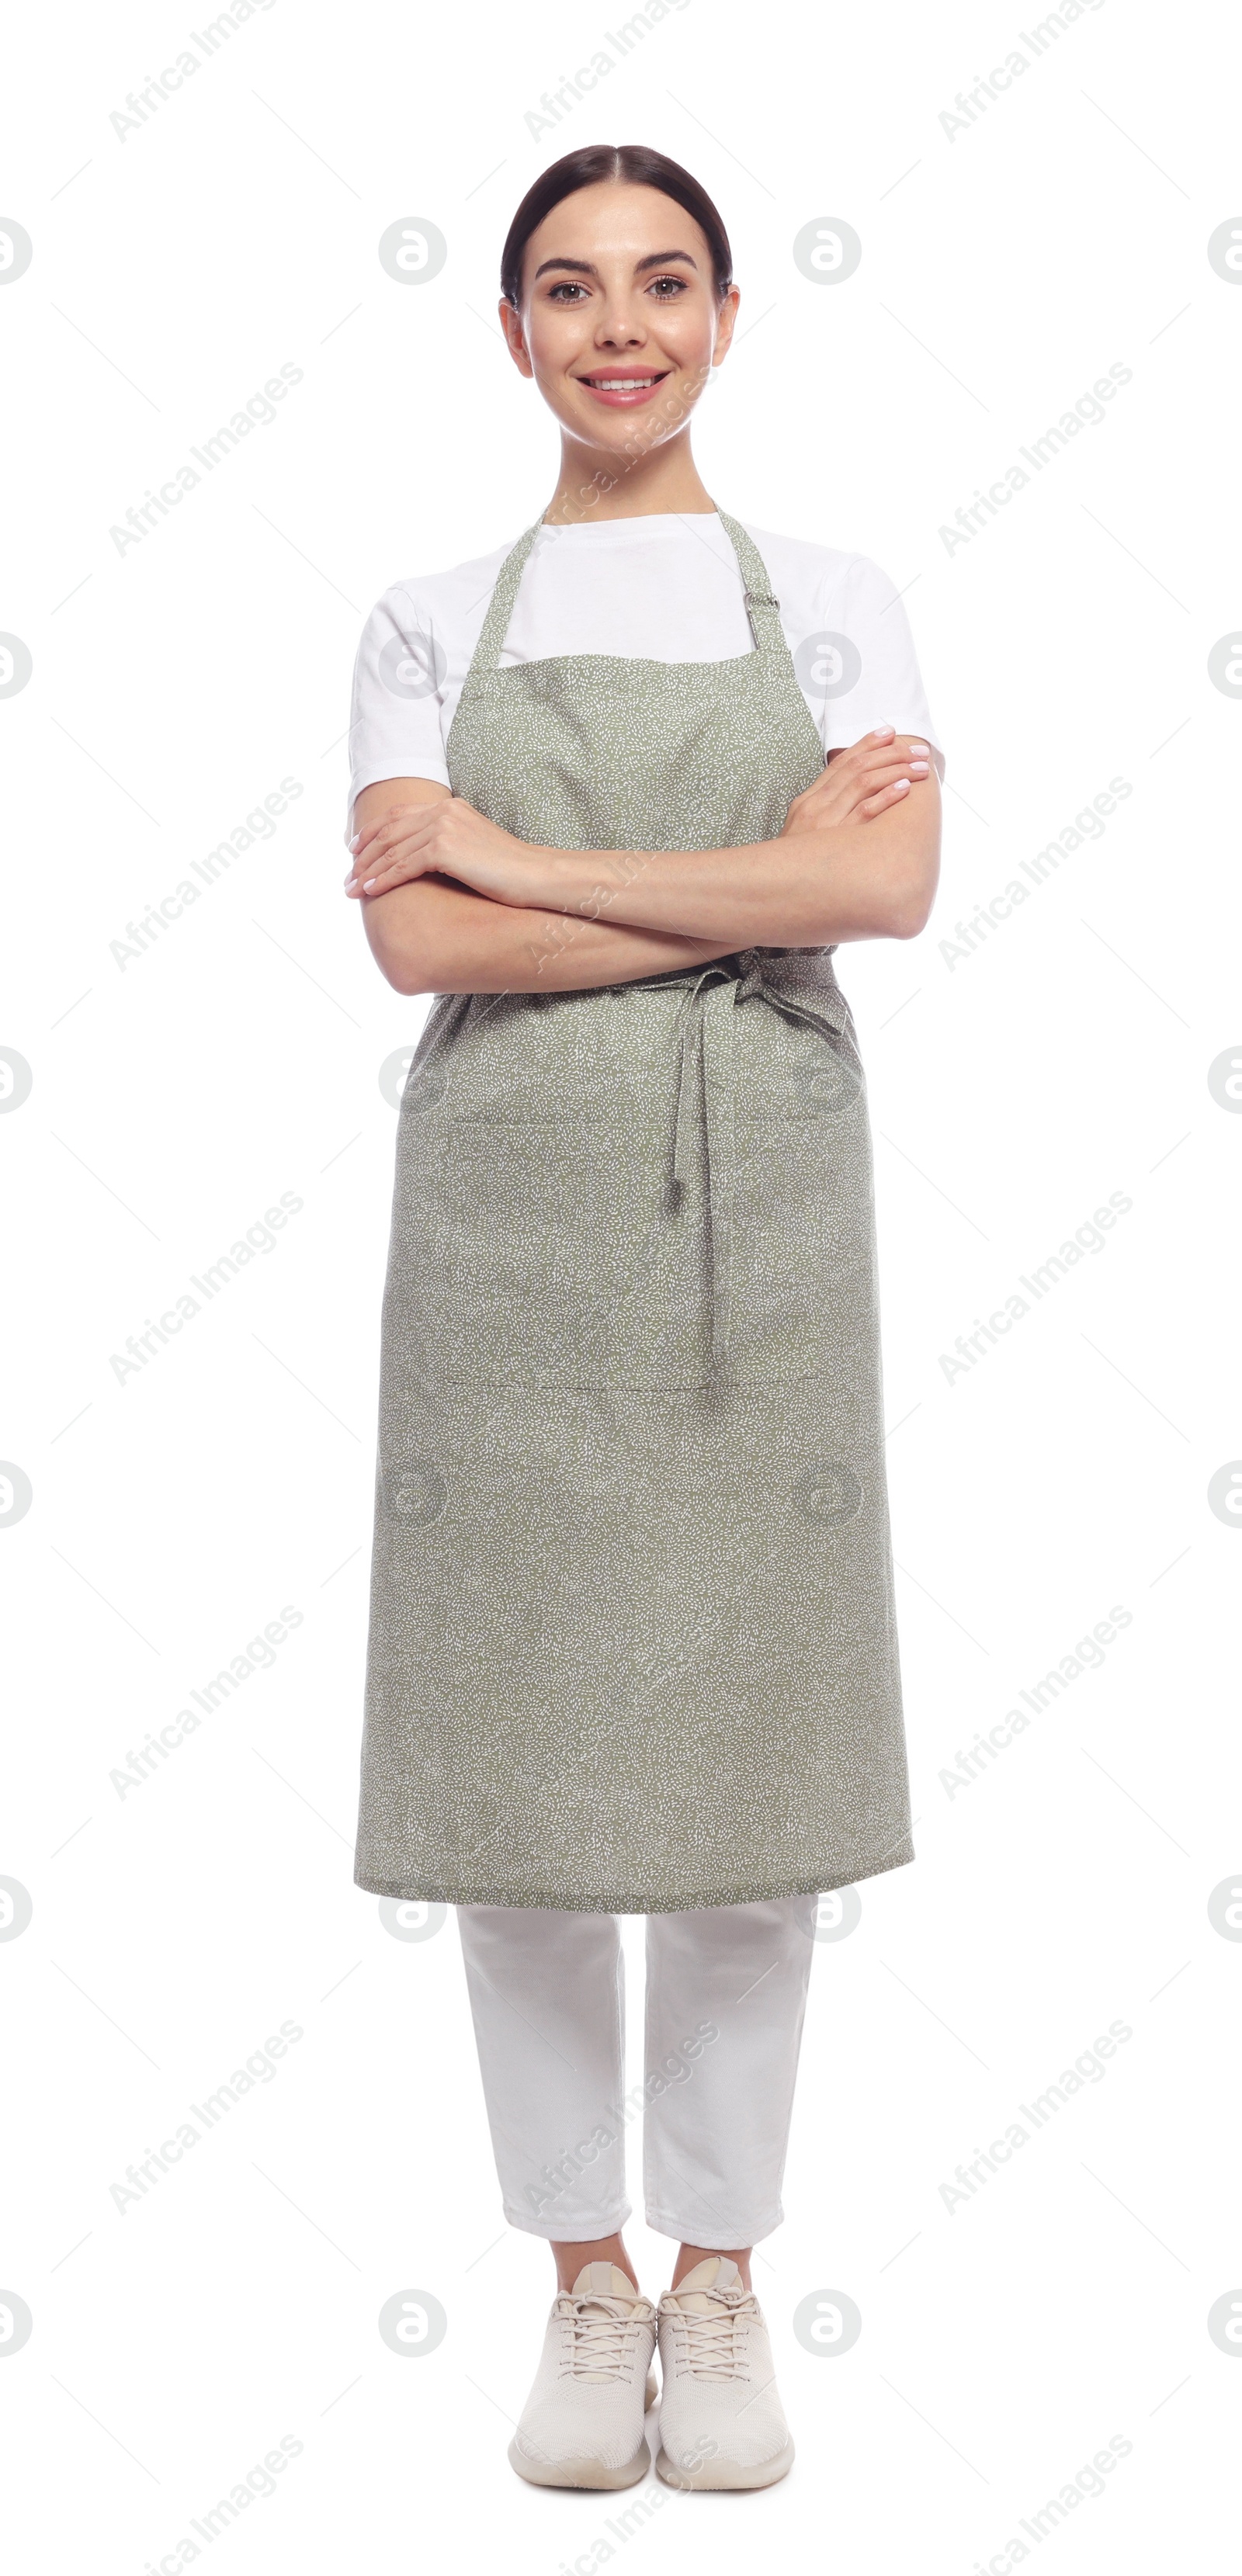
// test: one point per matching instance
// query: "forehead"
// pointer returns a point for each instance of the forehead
(616, 220)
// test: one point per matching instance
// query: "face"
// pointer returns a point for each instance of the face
(620, 324)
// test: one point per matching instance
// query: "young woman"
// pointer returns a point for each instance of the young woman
(632, 1634)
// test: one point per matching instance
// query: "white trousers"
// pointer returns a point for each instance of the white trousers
(726, 1997)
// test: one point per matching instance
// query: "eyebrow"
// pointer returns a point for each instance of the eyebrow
(586, 267)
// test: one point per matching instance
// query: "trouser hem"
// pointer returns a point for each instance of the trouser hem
(749, 2231)
(566, 2231)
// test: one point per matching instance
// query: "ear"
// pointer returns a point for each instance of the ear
(515, 337)
(724, 324)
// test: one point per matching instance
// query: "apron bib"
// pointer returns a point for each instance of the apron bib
(632, 1641)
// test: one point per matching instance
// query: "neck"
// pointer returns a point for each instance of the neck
(599, 483)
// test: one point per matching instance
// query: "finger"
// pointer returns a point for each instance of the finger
(880, 770)
(366, 832)
(897, 754)
(864, 777)
(403, 822)
(893, 795)
(382, 869)
(367, 840)
(884, 738)
(381, 880)
(405, 830)
(888, 760)
(850, 751)
(372, 873)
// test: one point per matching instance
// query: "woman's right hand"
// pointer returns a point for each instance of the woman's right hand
(861, 782)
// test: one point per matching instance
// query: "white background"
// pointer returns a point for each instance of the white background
(174, 1099)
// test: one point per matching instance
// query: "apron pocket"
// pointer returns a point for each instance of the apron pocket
(547, 1252)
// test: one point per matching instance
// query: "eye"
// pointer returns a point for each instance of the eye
(679, 285)
(565, 289)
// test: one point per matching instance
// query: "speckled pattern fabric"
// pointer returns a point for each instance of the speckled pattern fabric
(632, 1644)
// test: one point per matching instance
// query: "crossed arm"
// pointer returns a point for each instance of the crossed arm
(452, 904)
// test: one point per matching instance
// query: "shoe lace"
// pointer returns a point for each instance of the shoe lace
(600, 2333)
(713, 2345)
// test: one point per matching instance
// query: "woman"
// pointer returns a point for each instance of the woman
(632, 1636)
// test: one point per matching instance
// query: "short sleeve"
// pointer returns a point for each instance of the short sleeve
(867, 621)
(398, 697)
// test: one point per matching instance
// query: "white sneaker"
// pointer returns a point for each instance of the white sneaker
(582, 2424)
(721, 2421)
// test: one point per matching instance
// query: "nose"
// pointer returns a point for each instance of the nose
(620, 326)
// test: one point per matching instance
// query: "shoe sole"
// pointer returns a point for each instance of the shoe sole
(580, 2473)
(726, 2473)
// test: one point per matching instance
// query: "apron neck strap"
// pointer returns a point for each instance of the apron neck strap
(762, 608)
(495, 625)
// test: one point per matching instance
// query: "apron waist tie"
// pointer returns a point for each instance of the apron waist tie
(705, 1075)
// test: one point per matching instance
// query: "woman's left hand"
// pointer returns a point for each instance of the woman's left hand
(862, 781)
(446, 838)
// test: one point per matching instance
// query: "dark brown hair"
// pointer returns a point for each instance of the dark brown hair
(636, 165)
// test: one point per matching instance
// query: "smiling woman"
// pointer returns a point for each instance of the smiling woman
(619, 789)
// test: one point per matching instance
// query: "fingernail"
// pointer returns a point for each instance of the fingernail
(354, 843)
(371, 881)
(350, 883)
(919, 750)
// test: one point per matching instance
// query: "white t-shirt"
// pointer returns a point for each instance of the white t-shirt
(666, 588)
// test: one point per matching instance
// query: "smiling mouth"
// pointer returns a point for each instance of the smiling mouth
(624, 386)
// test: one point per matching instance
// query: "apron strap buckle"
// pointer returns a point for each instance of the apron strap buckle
(767, 606)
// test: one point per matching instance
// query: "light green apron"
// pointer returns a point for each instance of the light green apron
(632, 1640)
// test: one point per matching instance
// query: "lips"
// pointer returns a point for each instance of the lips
(622, 388)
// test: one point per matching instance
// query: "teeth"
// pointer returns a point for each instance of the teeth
(621, 384)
